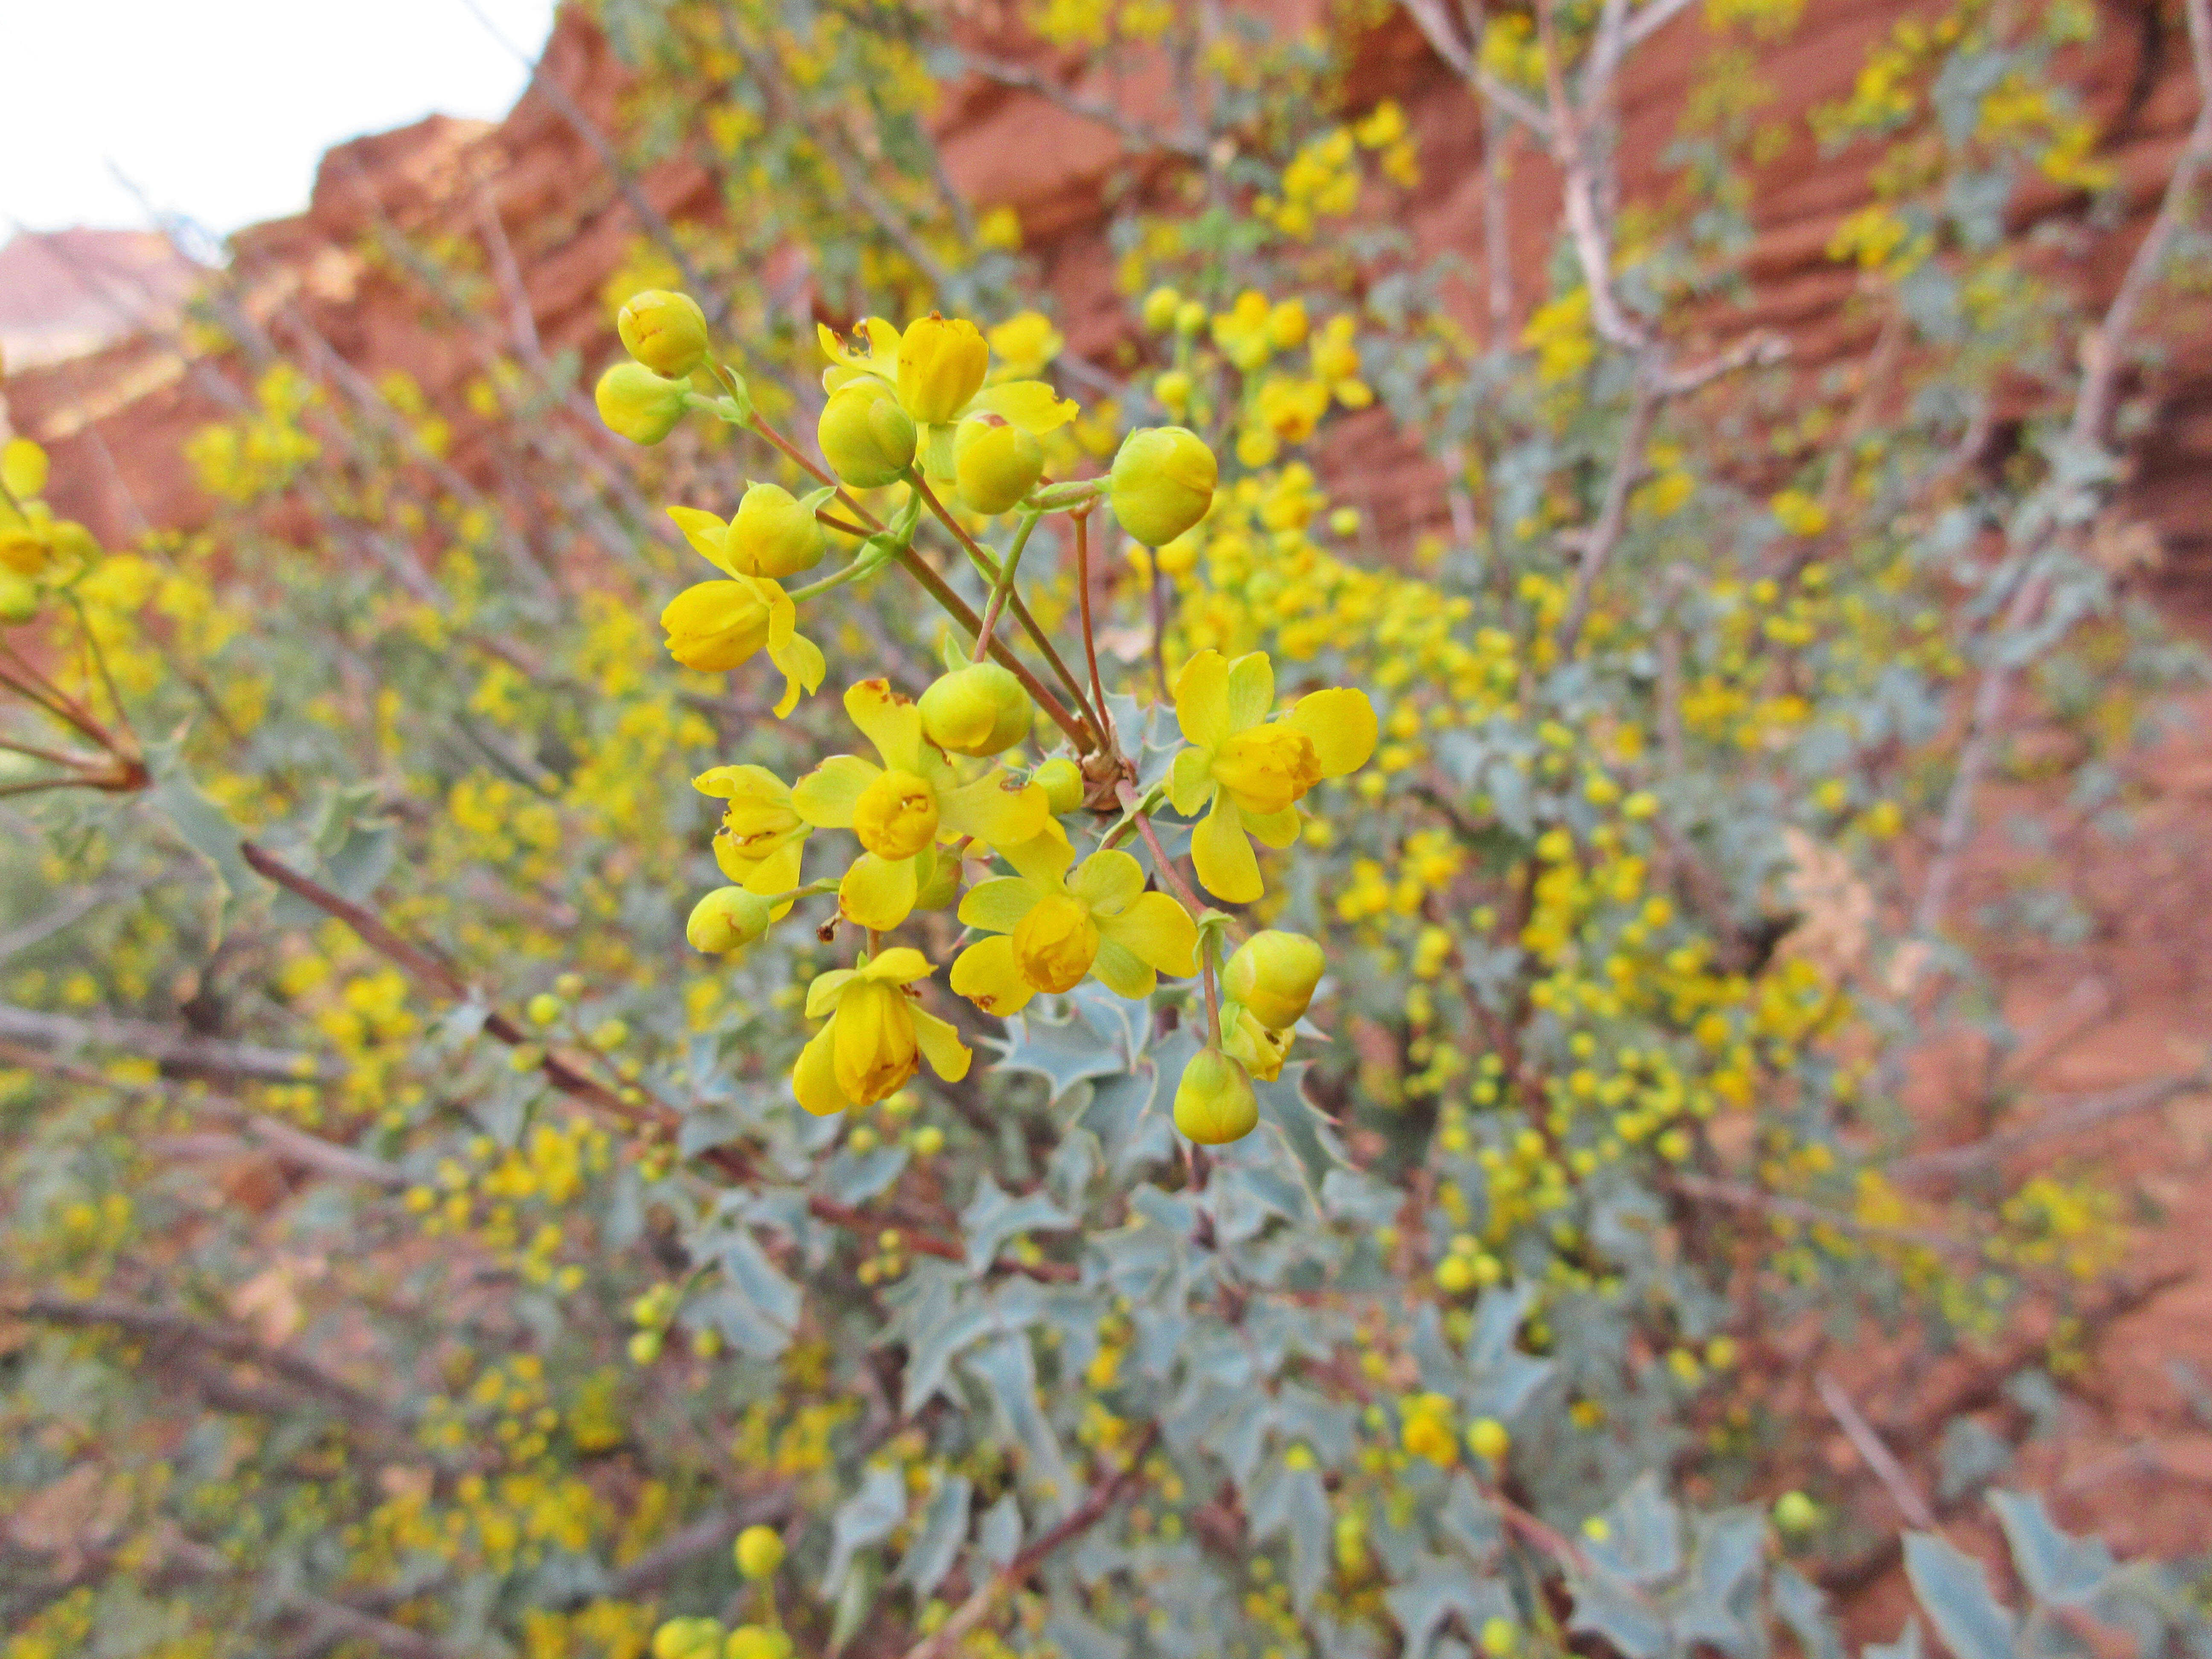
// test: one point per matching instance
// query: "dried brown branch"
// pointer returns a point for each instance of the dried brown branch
(1877, 1455)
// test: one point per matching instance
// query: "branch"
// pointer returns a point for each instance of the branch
(1464, 59)
(1877, 1456)
(1085, 1514)
(1132, 132)
(1612, 515)
(2078, 1114)
(172, 1051)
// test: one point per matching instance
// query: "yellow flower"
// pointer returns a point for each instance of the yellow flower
(898, 809)
(979, 710)
(1243, 332)
(728, 918)
(773, 533)
(995, 463)
(936, 370)
(876, 1032)
(1051, 928)
(1260, 1049)
(1025, 343)
(757, 1642)
(1336, 364)
(866, 438)
(759, 1552)
(717, 625)
(1428, 1430)
(762, 836)
(1248, 771)
(687, 1638)
(1214, 1103)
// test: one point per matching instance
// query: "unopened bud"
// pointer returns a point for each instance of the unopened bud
(687, 1638)
(996, 463)
(978, 710)
(23, 469)
(759, 1553)
(1161, 482)
(773, 533)
(1214, 1103)
(19, 598)
(1062, 779)
(1274, 974)
(666, 331)
(866, 438)
(1160, 307)
(641, 405)
(725, 919)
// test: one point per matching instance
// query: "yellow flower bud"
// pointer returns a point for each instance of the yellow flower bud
(774, 534)
(644, 1347)
(1062, 779)
(1056, 943)
(1794, 1512)
(666, 331)
(1487, 1439)
(543, 1008)
(25, 548)
(1274, 974)
(1214, 1103)
(1160, 307)
(1161, 482)
(1501, 1637)
(687, 1638)
(725, 919)
(941, 366)
(1190, 317)
(866, 438)
(759, 1553)
(896, 816)
(979, 710)
(995, 463)
(1172, 388)
(641, 405)
(19, 596)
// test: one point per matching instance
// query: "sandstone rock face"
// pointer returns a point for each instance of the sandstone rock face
(536, 197)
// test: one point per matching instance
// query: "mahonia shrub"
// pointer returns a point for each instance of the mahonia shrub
(1092, 1038)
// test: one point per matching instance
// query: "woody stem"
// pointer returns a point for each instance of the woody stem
(958, 609)
(1083, 605)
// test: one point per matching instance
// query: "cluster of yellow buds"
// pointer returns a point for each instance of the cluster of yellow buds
(922, 407)
(37, 550)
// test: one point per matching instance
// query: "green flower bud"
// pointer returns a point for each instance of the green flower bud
(979, 710)
(666, 331)
(687, 1638)
(640, 404)
(759, 1553)
(1160, 307)
(941, 366)
(19, 598)
(726, 918)
(1062, 779)
(1214, 1103)
(866, 438)
(1161, 482)
(995, 463)
(773, 533)
(1274, 974)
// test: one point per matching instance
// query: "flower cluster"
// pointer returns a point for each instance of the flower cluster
(938, 808)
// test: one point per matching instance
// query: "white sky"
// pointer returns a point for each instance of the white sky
(218, 109)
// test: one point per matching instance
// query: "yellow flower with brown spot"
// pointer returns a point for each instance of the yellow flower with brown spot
(714, 626)
(877, 1032)
(1051, 929)
(1247, 772)
(762, 838)
(900, 809)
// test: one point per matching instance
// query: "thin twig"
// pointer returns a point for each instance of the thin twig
(1877, 1455)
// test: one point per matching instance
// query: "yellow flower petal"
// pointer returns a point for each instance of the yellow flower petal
(985, 975)
(803, 666)
(1251, 689)
(1275, 829)
(1341, 723)
(814, 1078)
(1029, 405)
(1226, 867)
(825, 796)
(1157, 930)
(900, 965)
(1120, 971)
(1190, 781)
(822, 995)
(999, 905)
(707, 535)
(882, 335)
(1044, 857)
(875, 1048)
(889, 721)
(1107, 882)
(996, 816)
(877, 893)
(948, 1056)
(1201, 697)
